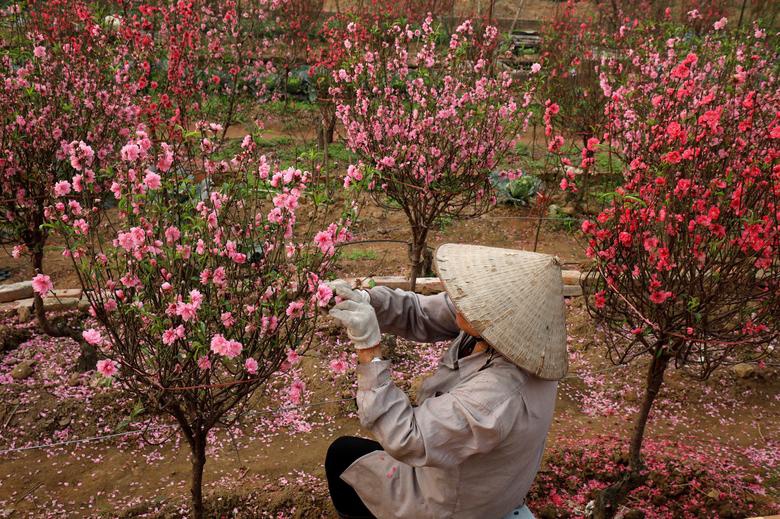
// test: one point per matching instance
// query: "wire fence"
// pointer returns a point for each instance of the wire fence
(91, 439)
(254, 412)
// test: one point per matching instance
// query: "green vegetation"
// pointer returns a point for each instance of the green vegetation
(608, 162)
(359, 255)
(444, 222)
(273, 142)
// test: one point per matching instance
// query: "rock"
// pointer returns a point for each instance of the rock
(658, 500)
(64, 421)
(11, 338)
(8, 308)
(629, 396)
(553, 210)
(52, 304)
(84, 305)
(729, 511)
(14, 291)
(571, 277)
(23, 370)
(415, 387)
(548, 511)
(24, 313)
(590, 209)
(744, 370)
(572, 290)
(67, 292)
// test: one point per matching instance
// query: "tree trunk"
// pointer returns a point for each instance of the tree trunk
(609, 499)
(40, 310)
(331, 128)
(419, 239)
(655, 378)
(198, 448)
(321, 134)
(88, 357)
(538, 229)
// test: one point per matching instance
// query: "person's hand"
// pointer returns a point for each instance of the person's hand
(344, 290)
(357, 315)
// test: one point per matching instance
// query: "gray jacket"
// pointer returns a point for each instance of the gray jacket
(472, 446)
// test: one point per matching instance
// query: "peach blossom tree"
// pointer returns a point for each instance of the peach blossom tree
(686, 270)
(430, 120)
(67, 103)
(200, 290)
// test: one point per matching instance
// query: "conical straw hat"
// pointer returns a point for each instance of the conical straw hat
(514, 299)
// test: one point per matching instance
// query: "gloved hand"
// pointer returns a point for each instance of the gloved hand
(345, 290)
(357, 315)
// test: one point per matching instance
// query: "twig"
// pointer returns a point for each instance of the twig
(758, 426)
(33, 489)
(8, 420)
(68, 442)
(235, 446)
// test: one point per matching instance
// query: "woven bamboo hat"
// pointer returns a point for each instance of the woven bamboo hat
(514, 299)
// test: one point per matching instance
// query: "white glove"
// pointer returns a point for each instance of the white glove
(357, 315)
(345, 290)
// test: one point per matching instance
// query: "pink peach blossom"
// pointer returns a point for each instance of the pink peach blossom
(106, 367)
(42, 284)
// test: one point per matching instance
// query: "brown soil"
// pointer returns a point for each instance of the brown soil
(254, 479)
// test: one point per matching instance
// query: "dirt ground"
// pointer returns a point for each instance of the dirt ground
(269, 467)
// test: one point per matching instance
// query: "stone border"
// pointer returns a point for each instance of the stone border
(18, 297)
(571, 283)
(62, 299)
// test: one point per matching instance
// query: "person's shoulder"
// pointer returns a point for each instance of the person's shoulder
(493, 387)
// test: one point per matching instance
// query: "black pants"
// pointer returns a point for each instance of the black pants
(341, 454)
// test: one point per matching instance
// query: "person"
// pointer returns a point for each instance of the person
(473, 444)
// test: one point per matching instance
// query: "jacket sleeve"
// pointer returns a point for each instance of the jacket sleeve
(442, 432)
(413, 316)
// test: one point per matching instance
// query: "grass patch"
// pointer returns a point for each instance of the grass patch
(608, 162)
(270, 142)
(359, 255)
